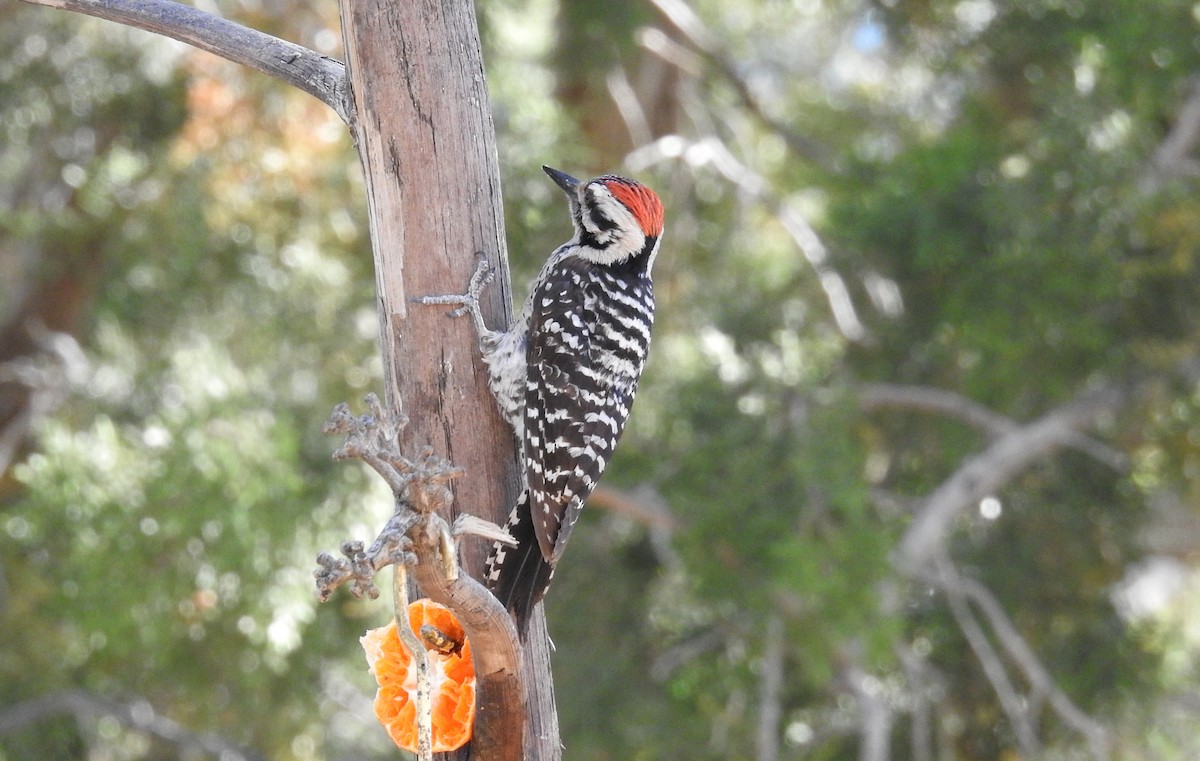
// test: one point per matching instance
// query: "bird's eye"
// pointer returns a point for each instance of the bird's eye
(600, 221)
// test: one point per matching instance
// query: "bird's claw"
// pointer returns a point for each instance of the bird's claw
(467, 303)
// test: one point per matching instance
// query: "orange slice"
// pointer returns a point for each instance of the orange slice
(452, 674)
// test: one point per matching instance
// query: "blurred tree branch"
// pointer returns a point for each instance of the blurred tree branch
(770, 691)
(1171, 159)
(986, 472)
(645, 508)
(320, 76)
(960, 590)
(875, 713)
(924, 545)
(1018, 711)
(921, 680)
(137, 715)
(685, 21)
(874, 396)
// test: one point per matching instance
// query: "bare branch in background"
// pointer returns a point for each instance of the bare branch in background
(137, 715)
(770, 691)
(1019, 651)
(650, 510)
(879, 395)
(710, 151)
(644, 505)
(632, 113)
(1172, 159)
(688, 24)
(320, 76)
(875, 714)
(923, 546)
(987, 472)
(920, 678)
(677, 656)
(874, 396)
(662, 45)
(1011, 702)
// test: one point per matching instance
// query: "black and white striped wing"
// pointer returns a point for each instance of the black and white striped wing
(581, 380)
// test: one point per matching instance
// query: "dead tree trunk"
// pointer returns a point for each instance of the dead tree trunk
(420, 116)
(422, 121)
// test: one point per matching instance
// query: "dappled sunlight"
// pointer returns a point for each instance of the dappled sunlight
(914, 465)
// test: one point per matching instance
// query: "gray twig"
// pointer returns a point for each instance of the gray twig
(770, 691)
(876, 714)
(704, 42)
(320, 76)
(1021, 653)
(1171, 159)
(1018, 713)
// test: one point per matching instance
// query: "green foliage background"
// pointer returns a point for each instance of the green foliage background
(979, 175)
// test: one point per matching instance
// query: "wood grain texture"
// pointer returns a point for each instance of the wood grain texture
(423, 126)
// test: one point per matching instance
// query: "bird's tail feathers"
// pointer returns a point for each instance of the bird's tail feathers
(519, 576)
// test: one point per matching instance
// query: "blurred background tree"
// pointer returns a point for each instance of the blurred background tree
(896, 232)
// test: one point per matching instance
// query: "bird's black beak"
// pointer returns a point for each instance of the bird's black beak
(563, 180)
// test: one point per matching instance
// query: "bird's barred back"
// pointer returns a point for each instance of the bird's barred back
(566, 372)
(583, 371)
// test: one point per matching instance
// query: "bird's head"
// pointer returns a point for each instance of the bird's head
(615, 218)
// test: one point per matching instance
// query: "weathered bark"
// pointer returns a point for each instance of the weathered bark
(424, 133)
(429, 158)
(420, 116)
(318, 75)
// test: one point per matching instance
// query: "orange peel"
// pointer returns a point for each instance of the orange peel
(452, 675)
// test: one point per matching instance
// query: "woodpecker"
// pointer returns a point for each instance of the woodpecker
(565, 372)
